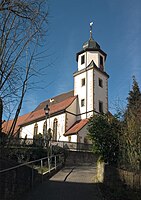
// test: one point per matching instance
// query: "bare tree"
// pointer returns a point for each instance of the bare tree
(23, 26)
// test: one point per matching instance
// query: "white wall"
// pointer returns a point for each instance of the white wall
(89, 56)
(73, 138)
(71, 115)
(29, 129)
(100, 94)
(81, 66)
(91, 92)
(93, 56)
(82, 134)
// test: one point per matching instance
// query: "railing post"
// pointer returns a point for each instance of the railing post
(32, 176)
(55, 162)
(48, 164)
(42, 169)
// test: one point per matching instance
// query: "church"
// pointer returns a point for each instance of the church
(67, 115)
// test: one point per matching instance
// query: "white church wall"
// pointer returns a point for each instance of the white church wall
(81, 66)
(73, 138)
(60, 125)
(29, 129)
(100, 93)
(81, 92)
(90, 93)
(92, 55)
(71, 114)
(83, 135)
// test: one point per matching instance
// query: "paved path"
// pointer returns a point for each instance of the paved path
(71, 183)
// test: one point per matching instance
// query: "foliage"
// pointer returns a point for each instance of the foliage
(23, 25)
(25, 154)
(131, 136)
(38, 140)
(103, 131)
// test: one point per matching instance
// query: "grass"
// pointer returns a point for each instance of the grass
(42, 170)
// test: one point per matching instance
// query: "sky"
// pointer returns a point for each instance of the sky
(117, 28)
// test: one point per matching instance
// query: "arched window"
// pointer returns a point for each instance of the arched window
(44, 128)
(55, 129)
(35, 129)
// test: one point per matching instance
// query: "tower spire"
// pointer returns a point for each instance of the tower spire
(91, 24)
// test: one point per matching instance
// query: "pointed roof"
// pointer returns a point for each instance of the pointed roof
(7, 124)
(76, 127)
(55, 100)
(90, 45)
(90, 66)
(39, 114)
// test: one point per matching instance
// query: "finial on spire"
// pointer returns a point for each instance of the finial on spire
(91, 24)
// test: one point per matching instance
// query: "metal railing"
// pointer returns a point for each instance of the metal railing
(17, 180)
(41, 166)
(26, 142)
(73, 146)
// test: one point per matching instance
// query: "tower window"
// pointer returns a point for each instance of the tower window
(100, 82)
(101, 62)
(82, 81)
(82, 102)
(100, 106)
(82, 59)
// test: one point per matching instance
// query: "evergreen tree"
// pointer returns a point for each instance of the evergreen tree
(134, 99)
(131, 140)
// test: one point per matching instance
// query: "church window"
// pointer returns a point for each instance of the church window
(100, 82)
(101, 61)
(82, 81)
(82, 59)
(44, 128)
(35, 129)
(82, 102)
(55, 123)
(100, 106)
(69, 138)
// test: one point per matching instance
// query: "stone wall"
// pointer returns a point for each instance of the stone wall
(112, 176)
(15, 182)
(79, 157)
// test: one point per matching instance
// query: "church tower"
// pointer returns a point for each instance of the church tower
(91, 80)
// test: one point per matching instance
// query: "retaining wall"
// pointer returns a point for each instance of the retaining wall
(80, 157)
(112, 176)
(16, 182)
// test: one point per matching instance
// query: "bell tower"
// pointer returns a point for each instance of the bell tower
(91, 80)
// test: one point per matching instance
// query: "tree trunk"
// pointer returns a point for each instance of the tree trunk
(1, 111)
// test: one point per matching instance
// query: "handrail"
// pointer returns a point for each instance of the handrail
(30, 142)
(27, 163)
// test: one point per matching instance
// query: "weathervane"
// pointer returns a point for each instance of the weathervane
(91, 24)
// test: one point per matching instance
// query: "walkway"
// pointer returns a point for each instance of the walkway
(71, 183)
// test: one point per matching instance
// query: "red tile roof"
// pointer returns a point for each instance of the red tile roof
(57, 99)
(40, 114)
(6, 125)
(77, 126)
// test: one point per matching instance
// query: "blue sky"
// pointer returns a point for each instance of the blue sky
(117, 28)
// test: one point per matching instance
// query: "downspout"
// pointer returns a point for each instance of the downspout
(86, 85)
